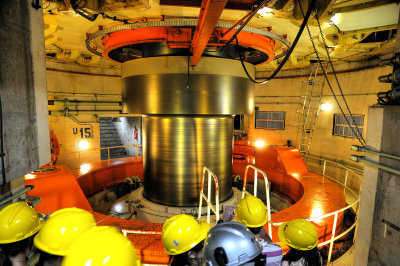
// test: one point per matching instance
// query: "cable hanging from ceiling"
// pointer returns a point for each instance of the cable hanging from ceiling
(92, 17)
(244, 23)
(336, 78)
(289, 52)
(360, 139)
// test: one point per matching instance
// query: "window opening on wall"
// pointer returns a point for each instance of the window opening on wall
(341, 128)
(270, 120)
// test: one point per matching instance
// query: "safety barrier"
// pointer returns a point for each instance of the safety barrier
(76, 158)
(140, 232)
(208, 198)
(244, 191)
(355, 205)
(125, 146)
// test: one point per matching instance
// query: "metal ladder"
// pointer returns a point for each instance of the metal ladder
(311, 96)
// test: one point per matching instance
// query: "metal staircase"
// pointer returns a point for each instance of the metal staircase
(310, 97)
(109, 138)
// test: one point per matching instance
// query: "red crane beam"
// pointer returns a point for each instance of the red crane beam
(210, 12)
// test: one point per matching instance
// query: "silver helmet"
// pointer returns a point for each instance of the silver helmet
(230, 244)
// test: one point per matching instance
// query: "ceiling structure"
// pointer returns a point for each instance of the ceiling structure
(353, 30)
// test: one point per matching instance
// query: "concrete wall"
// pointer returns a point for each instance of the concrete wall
(378, 241)
(360, 89)
(23, 90)
(125, 130)
(283, 94)
(80, 87)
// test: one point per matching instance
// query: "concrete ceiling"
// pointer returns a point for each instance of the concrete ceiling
(354, 30)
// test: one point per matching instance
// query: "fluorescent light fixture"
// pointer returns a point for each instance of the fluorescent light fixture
(326, 107)
(336, 19)
(83, 145)
(259, 143)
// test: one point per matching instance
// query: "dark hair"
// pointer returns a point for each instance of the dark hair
(4, 261)
(46, 257)
(14, 248)
(182, 259)
(10, 250)
(255, 230)
(310, 257)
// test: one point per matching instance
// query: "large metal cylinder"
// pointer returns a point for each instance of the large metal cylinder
(175, 150)
(187, 122)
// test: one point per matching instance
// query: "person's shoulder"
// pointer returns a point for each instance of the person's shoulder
(272, 246)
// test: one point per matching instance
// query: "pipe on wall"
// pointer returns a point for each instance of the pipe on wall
(363, 149)
(84, 112)
(80, 103)
(357, 158)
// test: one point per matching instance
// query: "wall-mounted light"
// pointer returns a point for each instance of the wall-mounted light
(259, 143)
(83, 145)
(326, 107)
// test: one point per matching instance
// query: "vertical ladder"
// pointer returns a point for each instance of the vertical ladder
(311, 96)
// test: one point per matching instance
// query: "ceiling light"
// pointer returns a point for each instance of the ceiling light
(264, 11)
(335, 19)
(326, 107)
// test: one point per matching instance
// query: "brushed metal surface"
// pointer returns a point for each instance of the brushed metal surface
(175, 149)
(206, 94)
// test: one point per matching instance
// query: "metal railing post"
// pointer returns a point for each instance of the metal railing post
(108, 153)
(209, 197)
(256, 170)
(255, 182)
(332, 238)
(201, 195)
(345, 181)
(356, 222)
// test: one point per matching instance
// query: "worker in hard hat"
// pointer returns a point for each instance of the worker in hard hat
(302, 238)
(18, 224)
(252, 213)
(101, 245)
(59, 231)
(183, 239)
(232, 244)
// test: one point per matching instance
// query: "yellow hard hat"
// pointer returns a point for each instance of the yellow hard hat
(182, 232)
(101, 245)
(62, 227)
(18, 221)
(299, 234)
(251, 212)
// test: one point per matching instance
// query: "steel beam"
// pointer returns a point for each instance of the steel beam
(210, 12)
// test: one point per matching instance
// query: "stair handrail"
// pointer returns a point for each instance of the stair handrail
(208, 198)
(244, 191)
